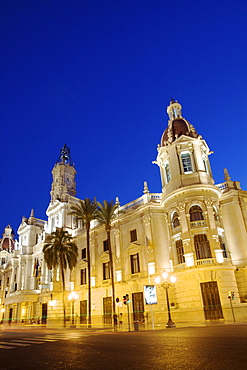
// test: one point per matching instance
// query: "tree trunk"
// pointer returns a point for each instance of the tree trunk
(63, 282)
(89, 274)
(108, 231)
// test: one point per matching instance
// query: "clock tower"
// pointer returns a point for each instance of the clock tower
(63, 173)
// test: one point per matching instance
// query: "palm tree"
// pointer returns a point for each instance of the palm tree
(105, 215)
(60, 251)
(85, 211)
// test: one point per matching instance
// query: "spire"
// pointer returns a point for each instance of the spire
(226, 174)
(65, 156)
(31, 219)
(145, 190)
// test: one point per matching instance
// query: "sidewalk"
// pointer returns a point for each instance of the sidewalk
(141, 327)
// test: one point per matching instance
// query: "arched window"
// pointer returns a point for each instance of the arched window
(202, 247)
(196, 214)
(175, 220)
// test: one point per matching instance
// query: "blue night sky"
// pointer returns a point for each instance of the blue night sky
(98, 75)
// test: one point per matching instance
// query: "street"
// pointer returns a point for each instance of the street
(209, 347)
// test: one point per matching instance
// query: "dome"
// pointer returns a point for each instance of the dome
(8, 244)
(178, 127)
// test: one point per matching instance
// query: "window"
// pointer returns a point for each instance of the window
(83, 253)
(196, 214)
(202, 247)
(175, 220)
(205, 162)
(106, 271)
(105, 245)
(83, 276)
(223, 246)
(135, 266)
(133, 235)
(167, 172)
(180, 251)
(186, 161)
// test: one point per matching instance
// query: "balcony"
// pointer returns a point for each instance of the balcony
(205, 262)
(106, 282)
(200, 223)
(176, 230)
(135, 276)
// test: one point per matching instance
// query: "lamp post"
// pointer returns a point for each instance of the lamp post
(165, 281)
(231, 297)
(72, 297)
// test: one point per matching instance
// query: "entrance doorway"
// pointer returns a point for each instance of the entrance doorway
(107, 310)
(83, 312)
(211, 301)
(10, 315)
(138, 307)
(44, 313)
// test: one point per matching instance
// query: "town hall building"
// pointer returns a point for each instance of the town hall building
(193, 230)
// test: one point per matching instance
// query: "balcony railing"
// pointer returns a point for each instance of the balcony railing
(176, 230)
(199, 223)
(222, 186)
(205, 262)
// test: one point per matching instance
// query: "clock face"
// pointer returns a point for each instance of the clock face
(68, 181)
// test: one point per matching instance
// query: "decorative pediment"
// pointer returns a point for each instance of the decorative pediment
(105, 257)
(134, 248)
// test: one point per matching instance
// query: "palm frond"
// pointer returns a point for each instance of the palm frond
(84, 211)
(106, 212)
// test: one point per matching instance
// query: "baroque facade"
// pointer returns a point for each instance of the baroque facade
(194, 229)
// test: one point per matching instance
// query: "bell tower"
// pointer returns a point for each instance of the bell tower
(182, 154)
(63, 174)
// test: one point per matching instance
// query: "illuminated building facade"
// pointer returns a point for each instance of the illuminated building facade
(194, 229)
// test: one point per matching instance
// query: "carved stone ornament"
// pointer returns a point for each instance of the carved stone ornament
(215, 237)
(209, 202)
(186, 242)
(149, 250)
(146, 220)
(181, 206)
(116, 232)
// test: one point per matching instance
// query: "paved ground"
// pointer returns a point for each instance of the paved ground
(214, 347)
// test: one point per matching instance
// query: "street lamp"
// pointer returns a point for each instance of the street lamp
(231, 297)
(165, 281)
(72, 297)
